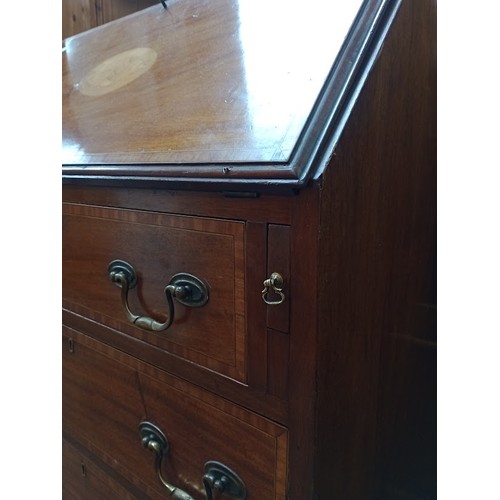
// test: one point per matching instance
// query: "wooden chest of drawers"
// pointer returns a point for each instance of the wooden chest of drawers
(248, 252)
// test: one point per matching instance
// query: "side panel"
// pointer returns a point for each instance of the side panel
(377, 365)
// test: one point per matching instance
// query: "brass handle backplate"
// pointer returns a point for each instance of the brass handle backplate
(183, 287)
(218, 479)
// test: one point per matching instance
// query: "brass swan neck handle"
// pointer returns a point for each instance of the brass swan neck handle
(185, 288)
(218, 479)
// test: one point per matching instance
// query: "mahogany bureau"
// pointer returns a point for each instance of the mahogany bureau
(249, 195)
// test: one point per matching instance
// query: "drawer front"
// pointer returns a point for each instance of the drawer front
(107, 394)
(159, 246)
(82, 478)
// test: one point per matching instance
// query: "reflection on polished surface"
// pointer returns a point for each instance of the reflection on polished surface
(205, 81)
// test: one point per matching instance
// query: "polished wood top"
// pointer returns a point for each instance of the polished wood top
(181, 92)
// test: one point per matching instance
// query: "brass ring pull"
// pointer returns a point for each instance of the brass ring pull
(217, 478)
(274, 283)
(185, 288)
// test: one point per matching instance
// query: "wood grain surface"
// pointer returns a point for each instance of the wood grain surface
(332, 395)
(159, 246)
(232, 82)
(107, 394)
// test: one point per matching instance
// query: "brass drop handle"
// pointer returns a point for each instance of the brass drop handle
(275, 284)
(153, 439)
(217, 479)
(185, 288)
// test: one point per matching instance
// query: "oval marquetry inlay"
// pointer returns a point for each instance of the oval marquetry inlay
(117, 71)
